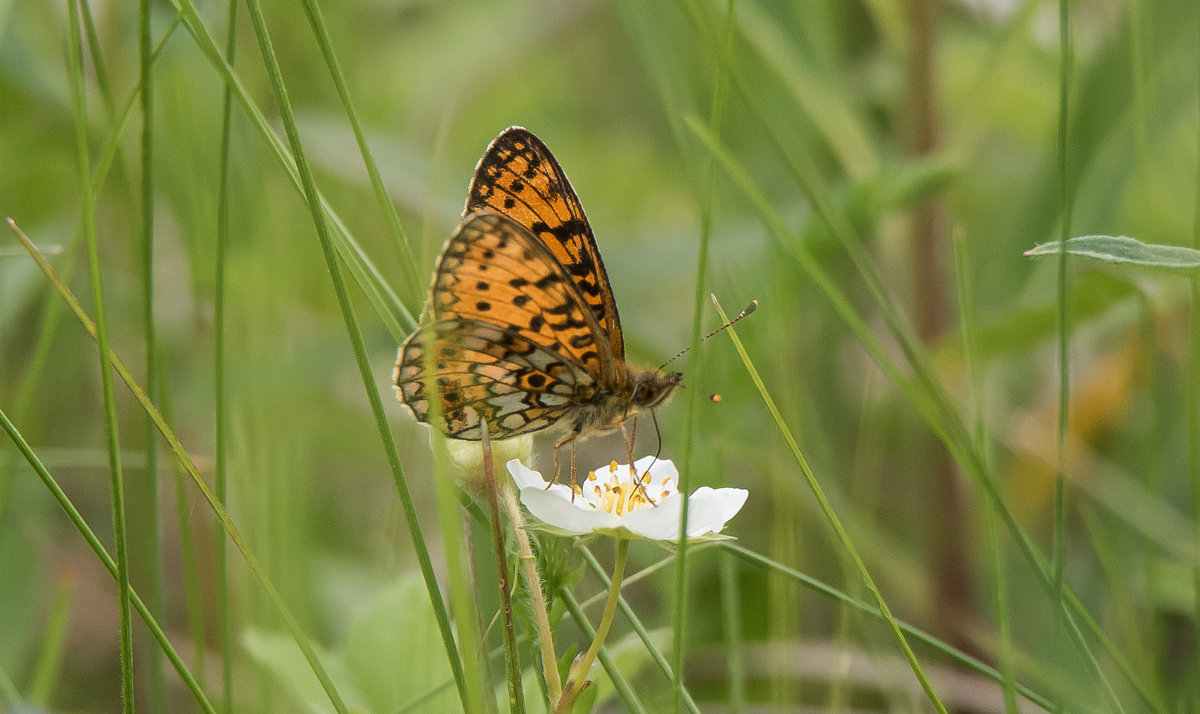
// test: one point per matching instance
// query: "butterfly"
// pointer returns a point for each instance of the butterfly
(521, 332)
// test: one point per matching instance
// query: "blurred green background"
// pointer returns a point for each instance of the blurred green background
(911, 122)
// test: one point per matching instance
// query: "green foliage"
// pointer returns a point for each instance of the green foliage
(922, 456)
(1123, 249)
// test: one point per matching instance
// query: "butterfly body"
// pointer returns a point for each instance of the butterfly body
(521, 329)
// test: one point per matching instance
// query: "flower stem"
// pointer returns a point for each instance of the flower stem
(516, 700)
(577, 678)
(534, 582)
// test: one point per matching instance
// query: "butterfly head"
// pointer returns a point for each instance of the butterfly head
(651, 388)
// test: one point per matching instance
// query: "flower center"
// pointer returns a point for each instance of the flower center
(619, 490)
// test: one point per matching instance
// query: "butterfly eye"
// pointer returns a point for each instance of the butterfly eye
(652, 389)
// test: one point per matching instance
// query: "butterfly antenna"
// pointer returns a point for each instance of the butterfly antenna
(749, 309)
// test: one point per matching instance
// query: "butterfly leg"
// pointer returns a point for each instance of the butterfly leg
(631, 437)
(574, 488)
(568, 439)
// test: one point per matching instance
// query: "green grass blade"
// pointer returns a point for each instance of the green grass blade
(220, 356)
(105, 559)
(834, 522)
(193, 599)
(966, 308)
(151, 550)
(1193, 398)
(316, 208)
(696, 363)
(413, 280)
(930, 400)
(929, 640)
(1059, 560)
(116, 478)
(289, 620)
(390, 309)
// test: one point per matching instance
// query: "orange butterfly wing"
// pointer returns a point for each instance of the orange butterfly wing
(514, 343)
(519, 177)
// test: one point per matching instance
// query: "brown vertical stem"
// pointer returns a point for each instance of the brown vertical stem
(516, 699)
(951, 577)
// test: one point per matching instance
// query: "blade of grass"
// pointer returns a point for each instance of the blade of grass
(1059, 559)
(116, 478)
(220, 397)
(318, 213)
(408, 265)
(831, 517)
(1193, 395)
(966, 310)
(105, 559)
(731, 631)
(151, 549)
(925, 638)
(256, 569)
(29, 383)
(468, 672)
(696, 361)
(388, 306)
(97, 58)
(194, 601)
(931, 401)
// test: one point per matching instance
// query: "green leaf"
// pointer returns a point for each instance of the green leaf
(1123, 249)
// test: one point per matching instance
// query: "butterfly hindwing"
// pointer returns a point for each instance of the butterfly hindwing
(519, 177)
(483, 371)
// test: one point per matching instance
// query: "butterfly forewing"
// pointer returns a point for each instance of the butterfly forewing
(519, 177)
(514, 343)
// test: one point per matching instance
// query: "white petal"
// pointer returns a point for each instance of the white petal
(556, 509)
(658, 523)
(524, 476)
(710, 509)
(659, 469)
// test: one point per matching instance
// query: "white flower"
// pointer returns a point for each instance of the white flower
(642, 502)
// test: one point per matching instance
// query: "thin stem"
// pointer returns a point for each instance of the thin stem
(1193, 391)
(152, 550)
(534, 582)
(516, 699)
(835, 522)
(577, 679)
(235, 536)
(116, 478)
(1064, 325)
(106, 560)
(220, 399)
